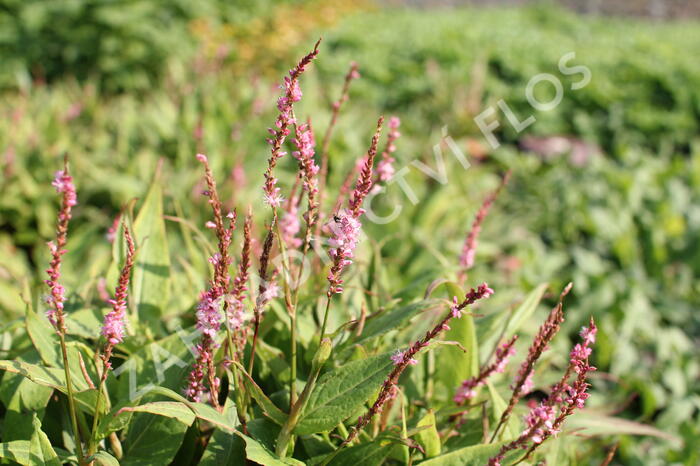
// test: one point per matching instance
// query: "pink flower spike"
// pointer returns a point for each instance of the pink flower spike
(456, 311)
(285, 119)
(588, 333)
(273, 199)
(64, 185)
(399, 357)
(202, 158)
(466, 259)
(113, 326)
(346, 232)
(401, 360)
(364, 181)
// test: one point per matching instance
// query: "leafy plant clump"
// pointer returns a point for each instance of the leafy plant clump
(283, 365)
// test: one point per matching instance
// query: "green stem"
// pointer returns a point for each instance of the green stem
(293, 337)
(92, 444)
(285, 434)
(325, 318)
(293, 317)
(342, 430)
(240, 400)
(291, 310)
(256, 326)
(71, 399)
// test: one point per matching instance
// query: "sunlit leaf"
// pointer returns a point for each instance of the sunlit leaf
(340, 392)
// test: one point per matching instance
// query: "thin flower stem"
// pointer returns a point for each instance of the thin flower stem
(285, 435)
(291, 310)
(325, 317)
(231, 354)
(92, 444)
(256, 325)
(293, 357)
(71, 399)
(63, 183)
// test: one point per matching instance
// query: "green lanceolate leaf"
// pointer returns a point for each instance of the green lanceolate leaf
(592, 423)
(44, 338)
(40, 449)
(366, 454)
(21, 396)
(341, 392)
(225, 448)
(525, 310)
(257, 452)
(54, 378)
(394, 319)
(182, 410)
(171, 409)
(164, 363)
(477, 455)
(268, 407)
(502, 325)
(428, 437)
(463, 365)
(152, 440)
(151, 276)
(46, 376)
(498, 405)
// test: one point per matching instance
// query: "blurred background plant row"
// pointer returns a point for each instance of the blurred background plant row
(605, 187)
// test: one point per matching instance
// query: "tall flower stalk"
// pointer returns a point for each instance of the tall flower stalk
(546, 419)
(285, 120)
(236, 331)
(113, 330)
(546, 333)
(345, 230)
(209, 308)
(346, 225)
(466, 258)
(405, 358)
(235, 311)
(308, 177)
(385, 167)
(63, 182)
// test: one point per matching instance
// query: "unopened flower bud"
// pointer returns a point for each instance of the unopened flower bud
(323, 353)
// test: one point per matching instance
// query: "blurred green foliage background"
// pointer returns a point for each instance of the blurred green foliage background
(121, 85)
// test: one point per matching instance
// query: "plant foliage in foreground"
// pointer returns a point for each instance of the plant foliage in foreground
(264, 374)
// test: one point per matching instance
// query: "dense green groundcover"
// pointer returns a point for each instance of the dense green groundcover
(622, 226)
